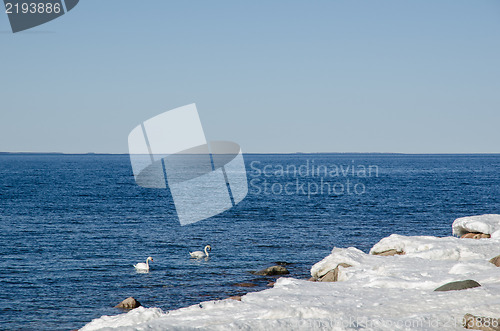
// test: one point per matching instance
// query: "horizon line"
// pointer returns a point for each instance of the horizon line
(259, 153)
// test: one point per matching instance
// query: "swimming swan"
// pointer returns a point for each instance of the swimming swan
(200, 254)
(143, 266)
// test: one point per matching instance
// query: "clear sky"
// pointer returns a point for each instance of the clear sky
(420, 76)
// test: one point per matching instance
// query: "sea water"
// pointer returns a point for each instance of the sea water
(72, 226)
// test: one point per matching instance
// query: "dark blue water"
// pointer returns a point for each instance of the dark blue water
(72, 226)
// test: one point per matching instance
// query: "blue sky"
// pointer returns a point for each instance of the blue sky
(275, 76)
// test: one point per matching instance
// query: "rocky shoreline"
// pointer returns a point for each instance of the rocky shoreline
(405, 282)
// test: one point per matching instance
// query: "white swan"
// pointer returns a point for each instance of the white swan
(143, 266)
(200, 254)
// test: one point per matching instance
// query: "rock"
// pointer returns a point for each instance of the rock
(282, 263)
(496, 260)
(344, 265)
(313, 279)
(128, 303)
(389, 252)
(245, 284)
(236, 297)
(330, 276)
(459, 285)
(273, 271)
(333, 275)
(481, 323)
(468, 235)
(270, 284)
(475, 235)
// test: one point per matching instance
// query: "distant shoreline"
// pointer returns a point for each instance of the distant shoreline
(296, 153)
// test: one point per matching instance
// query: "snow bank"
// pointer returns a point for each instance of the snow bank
(134, 317)
(433, 248)
(376, 293)
(351, 255)
(427, 263)
(489, 224)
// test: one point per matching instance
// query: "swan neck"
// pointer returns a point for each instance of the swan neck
(206, 252)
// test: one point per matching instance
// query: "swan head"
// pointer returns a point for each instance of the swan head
(208, 247)
(149, 259)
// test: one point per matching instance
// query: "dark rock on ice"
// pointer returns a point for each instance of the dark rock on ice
(459, 285)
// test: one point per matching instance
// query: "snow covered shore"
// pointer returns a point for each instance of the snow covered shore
(375, 293)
